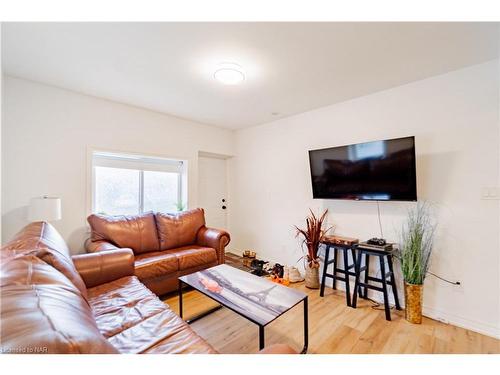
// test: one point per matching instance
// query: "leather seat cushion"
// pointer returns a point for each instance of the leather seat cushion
(122, 304)
(136, 232)
(161, 263)
(179, 229)
(43, 312)
(164, 332)
(155, 264)
(194, 256)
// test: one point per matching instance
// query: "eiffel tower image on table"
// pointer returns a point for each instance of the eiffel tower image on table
(258, 298)
(261, 295)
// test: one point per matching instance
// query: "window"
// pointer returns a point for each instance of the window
(128, 185)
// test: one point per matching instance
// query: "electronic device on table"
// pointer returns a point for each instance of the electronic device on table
(376, 241)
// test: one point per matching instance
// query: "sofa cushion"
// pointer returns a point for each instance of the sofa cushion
(164, 332)
(163, 263)
(122, 304)
(155, 264)
(194, 256)
(44, 241)
(184, 341)
(136, 232)
(179, 229)
(42, 311)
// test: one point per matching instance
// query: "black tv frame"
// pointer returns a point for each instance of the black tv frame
(368, 200)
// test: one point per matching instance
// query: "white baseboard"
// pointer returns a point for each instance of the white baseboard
(434, 313)
(459, 321)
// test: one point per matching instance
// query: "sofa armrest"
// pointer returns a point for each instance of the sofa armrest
(215, 238)
(104, 267)
(278, 349)
(101, 245)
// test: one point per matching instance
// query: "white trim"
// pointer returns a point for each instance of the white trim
(446, 318)
(141, 191)
(205, 154)
(432, 313)
(459, 321)
(145, 164)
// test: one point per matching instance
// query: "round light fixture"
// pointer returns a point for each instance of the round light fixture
(229, 74)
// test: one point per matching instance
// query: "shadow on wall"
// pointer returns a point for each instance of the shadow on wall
(434, 172)
(76, 240)
(13, 221)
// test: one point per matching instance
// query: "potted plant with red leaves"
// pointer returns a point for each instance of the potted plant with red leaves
(312, 235)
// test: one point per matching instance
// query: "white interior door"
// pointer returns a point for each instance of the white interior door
(212, 190)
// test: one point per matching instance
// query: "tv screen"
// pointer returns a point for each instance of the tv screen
(379, 170)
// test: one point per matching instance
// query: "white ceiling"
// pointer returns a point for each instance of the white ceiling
(290, 67)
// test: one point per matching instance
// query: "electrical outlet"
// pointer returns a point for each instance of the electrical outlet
(458, 289)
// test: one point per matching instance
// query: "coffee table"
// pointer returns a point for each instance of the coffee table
(254, 298)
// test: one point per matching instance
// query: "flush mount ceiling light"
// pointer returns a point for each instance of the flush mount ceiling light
(229, 74)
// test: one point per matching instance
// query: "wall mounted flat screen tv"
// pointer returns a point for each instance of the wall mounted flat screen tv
(380, 170)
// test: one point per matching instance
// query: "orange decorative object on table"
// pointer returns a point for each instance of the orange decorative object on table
(210, 285)
(279, 280)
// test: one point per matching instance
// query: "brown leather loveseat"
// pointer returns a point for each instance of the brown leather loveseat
(165, 246)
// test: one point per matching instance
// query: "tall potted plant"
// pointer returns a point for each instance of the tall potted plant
(416, 249)
(312, 235)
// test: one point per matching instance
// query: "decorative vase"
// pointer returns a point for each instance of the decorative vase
(312, 277)
(413, 303)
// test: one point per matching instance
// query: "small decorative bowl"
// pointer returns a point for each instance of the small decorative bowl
(249, 254)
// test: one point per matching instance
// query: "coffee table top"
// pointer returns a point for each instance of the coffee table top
(256, 298)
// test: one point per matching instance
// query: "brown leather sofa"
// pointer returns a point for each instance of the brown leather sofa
(164, 246)
(88, 303)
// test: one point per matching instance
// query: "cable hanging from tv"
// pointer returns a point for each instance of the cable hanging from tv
(379, 220)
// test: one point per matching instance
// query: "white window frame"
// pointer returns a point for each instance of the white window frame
(140, 163)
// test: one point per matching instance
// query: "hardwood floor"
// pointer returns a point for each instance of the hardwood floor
(333, 328)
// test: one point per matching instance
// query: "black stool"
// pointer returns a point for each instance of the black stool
(344, 271)
(382, 255)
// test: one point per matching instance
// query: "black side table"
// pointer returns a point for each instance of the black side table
(345, 249)
(382, 256)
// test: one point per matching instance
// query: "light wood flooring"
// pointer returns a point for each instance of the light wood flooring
(333, 328)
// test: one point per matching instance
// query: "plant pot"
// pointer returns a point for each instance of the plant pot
(413, 303)
(312, 277)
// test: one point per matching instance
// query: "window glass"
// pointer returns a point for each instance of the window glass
(117, 191)
(161, 191)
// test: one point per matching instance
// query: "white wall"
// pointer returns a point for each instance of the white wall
(455, 120)
(47, 135)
